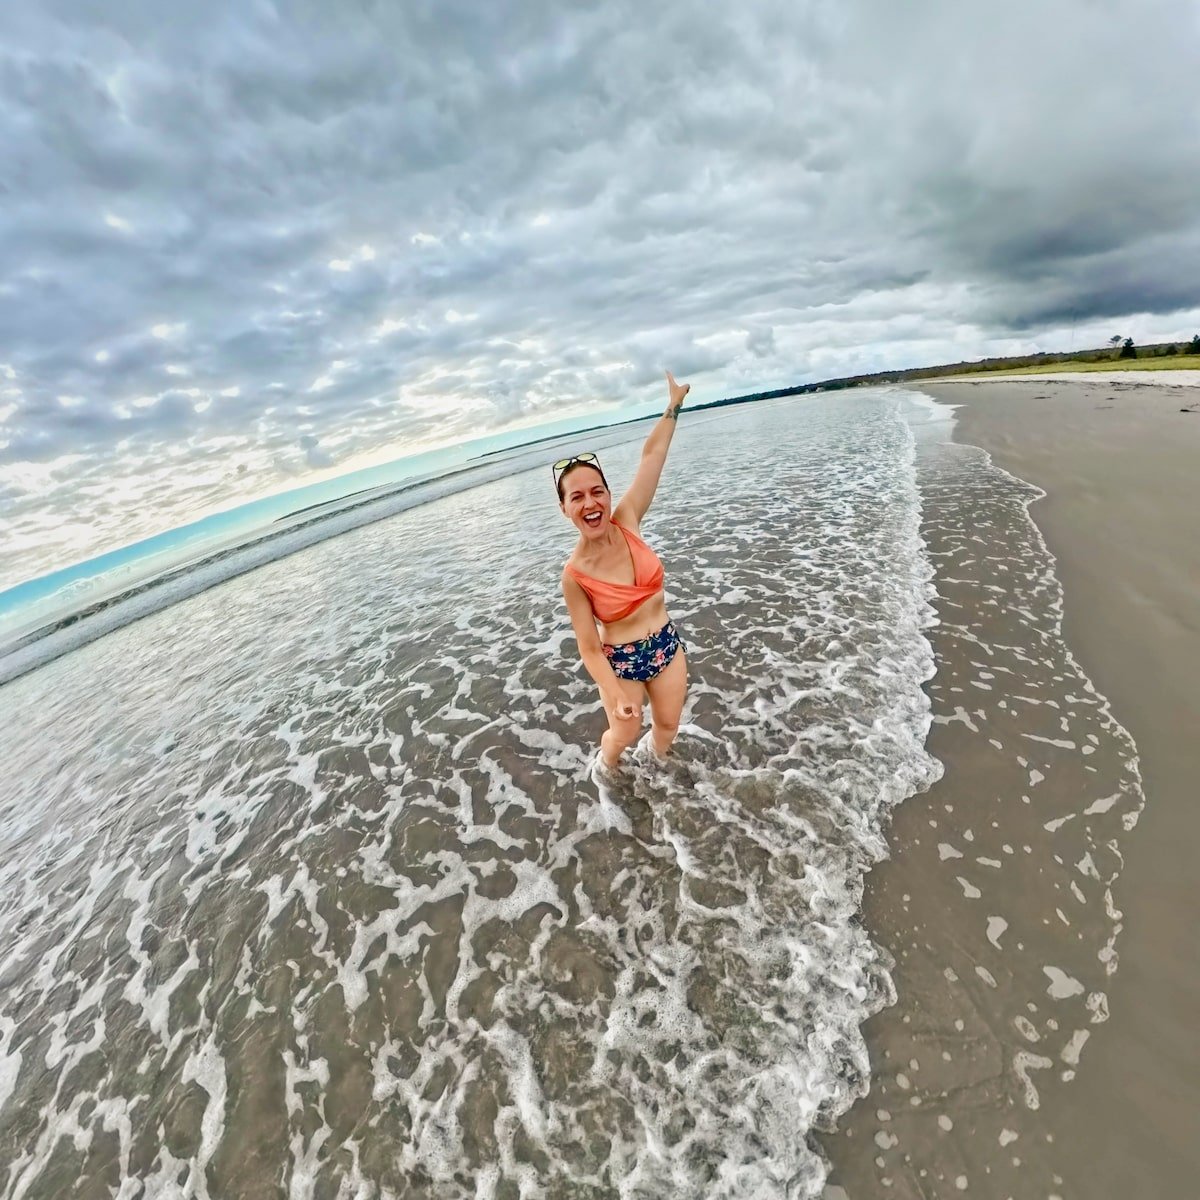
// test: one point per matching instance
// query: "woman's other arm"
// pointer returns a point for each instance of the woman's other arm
(636, 501)
(590, 650)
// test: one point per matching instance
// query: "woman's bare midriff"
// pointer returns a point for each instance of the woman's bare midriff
(649, 617)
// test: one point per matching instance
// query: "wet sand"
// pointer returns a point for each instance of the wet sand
(1119, 463)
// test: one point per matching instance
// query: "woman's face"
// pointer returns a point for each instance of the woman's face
(586, 500)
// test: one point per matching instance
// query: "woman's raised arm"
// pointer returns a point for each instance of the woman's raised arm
(636, 500)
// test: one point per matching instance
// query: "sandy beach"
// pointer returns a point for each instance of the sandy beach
(1118, 463)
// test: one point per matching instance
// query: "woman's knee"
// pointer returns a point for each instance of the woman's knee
(625, 730)
(666, 725)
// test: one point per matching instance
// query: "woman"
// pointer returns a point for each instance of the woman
(615, 580)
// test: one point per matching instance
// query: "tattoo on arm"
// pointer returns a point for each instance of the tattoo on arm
(673, 411)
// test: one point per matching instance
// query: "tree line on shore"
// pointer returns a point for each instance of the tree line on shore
(1118, 347)
(1129, 350)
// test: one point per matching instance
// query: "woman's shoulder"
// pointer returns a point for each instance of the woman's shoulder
(576, 570)
(571, 568)
(631, 529)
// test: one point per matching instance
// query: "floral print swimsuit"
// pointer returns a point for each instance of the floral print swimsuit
(644, 659)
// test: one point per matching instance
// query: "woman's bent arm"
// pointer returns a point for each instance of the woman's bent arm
(590, 650)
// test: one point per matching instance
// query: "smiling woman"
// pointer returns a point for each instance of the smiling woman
(615, 581)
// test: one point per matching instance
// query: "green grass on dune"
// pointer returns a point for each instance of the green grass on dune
(1152, 357)
(1165, 362)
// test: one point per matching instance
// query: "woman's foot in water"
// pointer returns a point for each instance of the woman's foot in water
(647, 751)
(607, 759)
(603, 776)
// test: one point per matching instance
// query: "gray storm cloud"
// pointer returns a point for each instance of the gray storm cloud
(243, 242)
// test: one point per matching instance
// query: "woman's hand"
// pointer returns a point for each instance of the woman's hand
(678, 391)
(616, 703)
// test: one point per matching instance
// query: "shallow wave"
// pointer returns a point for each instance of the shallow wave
(310, 870)
(1001, 901)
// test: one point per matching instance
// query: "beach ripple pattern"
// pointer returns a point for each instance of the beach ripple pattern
(306, 888)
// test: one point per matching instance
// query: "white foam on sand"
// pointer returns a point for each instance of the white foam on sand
(344, 810)
(1050, 786)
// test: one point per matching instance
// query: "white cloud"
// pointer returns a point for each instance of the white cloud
(387, 327)
(363, 254)
(409, 229)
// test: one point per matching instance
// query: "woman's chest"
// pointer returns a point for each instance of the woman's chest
(613, 566)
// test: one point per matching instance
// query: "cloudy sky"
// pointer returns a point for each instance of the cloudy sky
(244, 245)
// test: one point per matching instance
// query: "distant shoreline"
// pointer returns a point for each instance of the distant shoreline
(1023, 367)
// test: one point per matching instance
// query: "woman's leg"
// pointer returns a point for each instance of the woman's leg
(622, 731)
(668, 690)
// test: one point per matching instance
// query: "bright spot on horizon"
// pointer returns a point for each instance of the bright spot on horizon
(540, 220)
(163, 330)
(102, 356)
(426, 239)
(115, 222)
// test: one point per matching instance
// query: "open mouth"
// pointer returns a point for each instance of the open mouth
(593, 519)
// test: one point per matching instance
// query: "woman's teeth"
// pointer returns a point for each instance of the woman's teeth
(593, 518)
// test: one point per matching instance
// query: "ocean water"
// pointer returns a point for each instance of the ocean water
(306, 888)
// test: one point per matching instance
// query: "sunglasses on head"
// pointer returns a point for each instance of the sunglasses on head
(563, 464)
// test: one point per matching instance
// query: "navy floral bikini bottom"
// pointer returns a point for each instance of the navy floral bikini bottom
(646, 658)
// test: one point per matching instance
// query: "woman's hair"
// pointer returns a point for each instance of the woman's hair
(594, 466)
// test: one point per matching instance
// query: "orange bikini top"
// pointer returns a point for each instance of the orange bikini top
(615, 601)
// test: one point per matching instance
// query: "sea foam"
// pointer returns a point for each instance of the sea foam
(317, 858)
